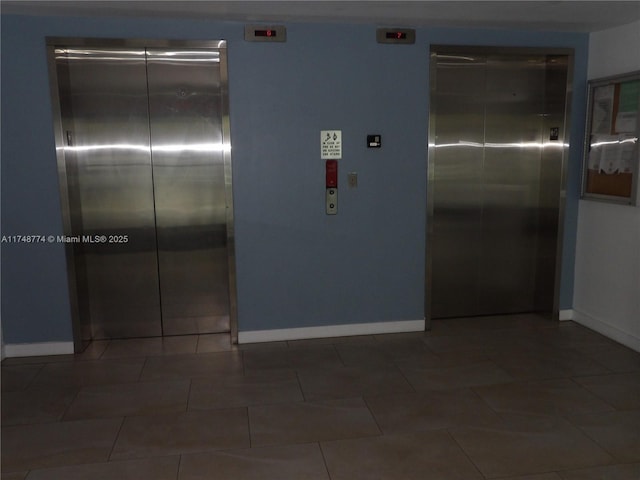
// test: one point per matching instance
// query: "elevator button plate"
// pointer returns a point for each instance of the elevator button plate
(332, 201)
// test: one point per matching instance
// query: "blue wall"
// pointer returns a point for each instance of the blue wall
(296, 266)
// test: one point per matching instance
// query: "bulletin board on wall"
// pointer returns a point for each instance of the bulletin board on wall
(612, 154)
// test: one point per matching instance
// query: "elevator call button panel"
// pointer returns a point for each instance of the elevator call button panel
(332, 173)
(332, 201)
(331, 184)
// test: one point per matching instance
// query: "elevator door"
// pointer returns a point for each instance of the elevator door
(185, 105)
(495, 182)
(147, 188)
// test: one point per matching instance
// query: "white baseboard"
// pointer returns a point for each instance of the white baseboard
(258, 336)
(37, 349)
(566, 315)
(607, 330)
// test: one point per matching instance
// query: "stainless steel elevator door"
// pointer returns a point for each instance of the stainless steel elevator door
(514, 96)
(185, 106)
(145, 163)
(488, 121)
(457, 218)
(106, 123)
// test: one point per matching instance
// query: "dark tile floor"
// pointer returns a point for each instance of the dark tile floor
(509, 397)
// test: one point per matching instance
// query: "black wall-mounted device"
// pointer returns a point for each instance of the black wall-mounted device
(374, 141)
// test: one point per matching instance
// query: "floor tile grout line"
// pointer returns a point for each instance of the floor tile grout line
(464, 452)
(66, 410)
(324, 460)
(429, 349)
(103, 351)
(344, 364)
(484, 402)
(364, 400)
(589, 357)
(633, 372)
(525, 382)
(413, 387)
(179, 464)
(588, 390)
(197, 343)
(304, 397)
(188, 395)
(37, 374)
(593, 440)
(335, 347)
(144, 365)
(115, 441)
(249, 426)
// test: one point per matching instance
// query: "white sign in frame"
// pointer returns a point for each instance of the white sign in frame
(330, 144)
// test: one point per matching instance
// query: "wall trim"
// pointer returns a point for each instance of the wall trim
(37, 349)
(600, 326)
(278, 335)
(565, 315)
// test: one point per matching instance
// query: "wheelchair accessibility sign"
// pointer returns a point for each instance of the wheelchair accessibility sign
(330, 144)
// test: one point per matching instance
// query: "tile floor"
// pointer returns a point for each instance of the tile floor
(509, 397)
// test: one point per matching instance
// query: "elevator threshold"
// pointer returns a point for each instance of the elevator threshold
(499, 321)
(167, 345)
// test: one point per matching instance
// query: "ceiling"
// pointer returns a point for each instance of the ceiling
(574, 16)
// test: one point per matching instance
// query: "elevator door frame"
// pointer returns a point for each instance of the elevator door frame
(431, 156)
(52, 43)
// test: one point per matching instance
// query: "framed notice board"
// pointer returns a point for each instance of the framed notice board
(612, 156)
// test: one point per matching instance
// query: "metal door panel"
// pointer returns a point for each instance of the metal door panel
(457, 209)
(511, 182)
(459, 74)
(108, 163)
(551, 185)
(457, 188)
(185, 106)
